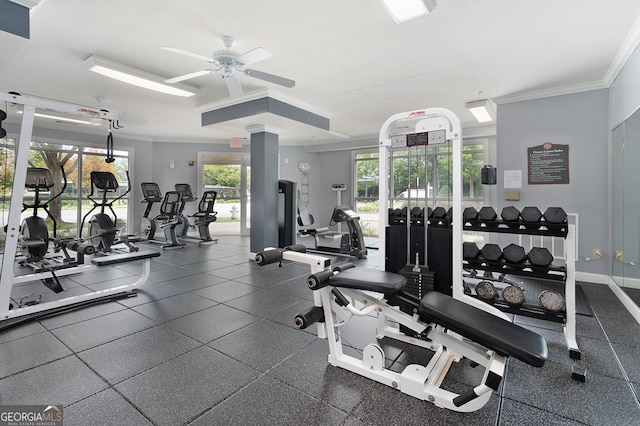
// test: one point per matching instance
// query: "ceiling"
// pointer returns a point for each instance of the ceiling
(350, 61)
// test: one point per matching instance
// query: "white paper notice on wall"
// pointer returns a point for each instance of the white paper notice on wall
(513, 179)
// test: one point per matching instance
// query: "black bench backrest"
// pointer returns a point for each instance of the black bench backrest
(207, 202)
(170, 204)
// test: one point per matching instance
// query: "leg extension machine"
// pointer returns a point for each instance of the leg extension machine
(452, 329)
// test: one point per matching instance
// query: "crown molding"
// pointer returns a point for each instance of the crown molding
(625, 52)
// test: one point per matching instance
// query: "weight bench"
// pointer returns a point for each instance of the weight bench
(452, 329)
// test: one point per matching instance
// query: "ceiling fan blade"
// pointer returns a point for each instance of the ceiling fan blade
(253, 56)
(184, 52)
(188, 76)
(270, 78)
(233, 84)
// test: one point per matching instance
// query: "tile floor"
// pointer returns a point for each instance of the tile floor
(209, 339)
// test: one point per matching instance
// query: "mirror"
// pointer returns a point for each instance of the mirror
(626, 206)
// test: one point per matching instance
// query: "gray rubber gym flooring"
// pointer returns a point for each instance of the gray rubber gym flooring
(210, 340)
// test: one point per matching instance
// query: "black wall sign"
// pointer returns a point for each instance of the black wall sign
(548, 164)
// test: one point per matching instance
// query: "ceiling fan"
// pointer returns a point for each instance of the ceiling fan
(229, 62)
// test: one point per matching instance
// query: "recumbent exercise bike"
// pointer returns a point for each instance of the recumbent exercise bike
(168, 219)
(201, 218)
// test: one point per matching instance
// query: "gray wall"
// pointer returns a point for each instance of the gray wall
(624, 93)
(336, 168)
(581, 121)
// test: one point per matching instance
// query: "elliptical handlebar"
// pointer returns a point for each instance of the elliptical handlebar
(64, 187)
(128, 188)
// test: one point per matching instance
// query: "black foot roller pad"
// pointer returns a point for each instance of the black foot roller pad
(484, 328)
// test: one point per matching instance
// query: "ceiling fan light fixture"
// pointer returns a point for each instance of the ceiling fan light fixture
(136, 77)
(406, 10)
(482, 110)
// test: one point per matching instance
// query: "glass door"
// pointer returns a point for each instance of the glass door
(245, 198)
(227, 174)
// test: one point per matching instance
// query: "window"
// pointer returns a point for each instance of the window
(77, 163)
(419, 177)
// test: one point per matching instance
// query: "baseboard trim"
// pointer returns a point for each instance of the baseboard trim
(628, 303)
(589, 277)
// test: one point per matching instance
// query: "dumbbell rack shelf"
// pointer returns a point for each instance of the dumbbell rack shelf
(551, 272)
(564, 273)
(518, 227)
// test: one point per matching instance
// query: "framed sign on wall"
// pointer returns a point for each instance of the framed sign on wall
(548, 164)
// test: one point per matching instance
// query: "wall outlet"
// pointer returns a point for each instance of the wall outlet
(597, 253)
(620, 255)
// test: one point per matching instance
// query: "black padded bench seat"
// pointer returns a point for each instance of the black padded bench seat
(114, 259)
(368, 279)
(484, 328)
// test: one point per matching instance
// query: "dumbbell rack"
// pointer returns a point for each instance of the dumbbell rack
(565, 273)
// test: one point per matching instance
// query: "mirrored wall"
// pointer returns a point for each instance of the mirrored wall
(626, 206)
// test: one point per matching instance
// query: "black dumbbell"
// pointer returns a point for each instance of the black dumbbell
(417, 216)
(487, 214)
(531, 214)
(510, 214)
(428, 213)
(439, 214)
(469, 214)
(491, 252)
(514, 253)
(540, 256)
(470, 250)
(555, 215)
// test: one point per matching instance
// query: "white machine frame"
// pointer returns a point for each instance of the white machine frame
(419, 381)
(441, 119)
(7, 277)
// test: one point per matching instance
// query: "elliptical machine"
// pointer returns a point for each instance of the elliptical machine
(201, 218)
(101, 227)
(168, 219)
(33, 241)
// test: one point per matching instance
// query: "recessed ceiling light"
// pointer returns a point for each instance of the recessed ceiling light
(135, 77)
(405, 10)
(482, 110)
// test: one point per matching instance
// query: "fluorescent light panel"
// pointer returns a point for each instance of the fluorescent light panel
(405, 10)
(482, 110)
(65, 119)
(134, 76)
